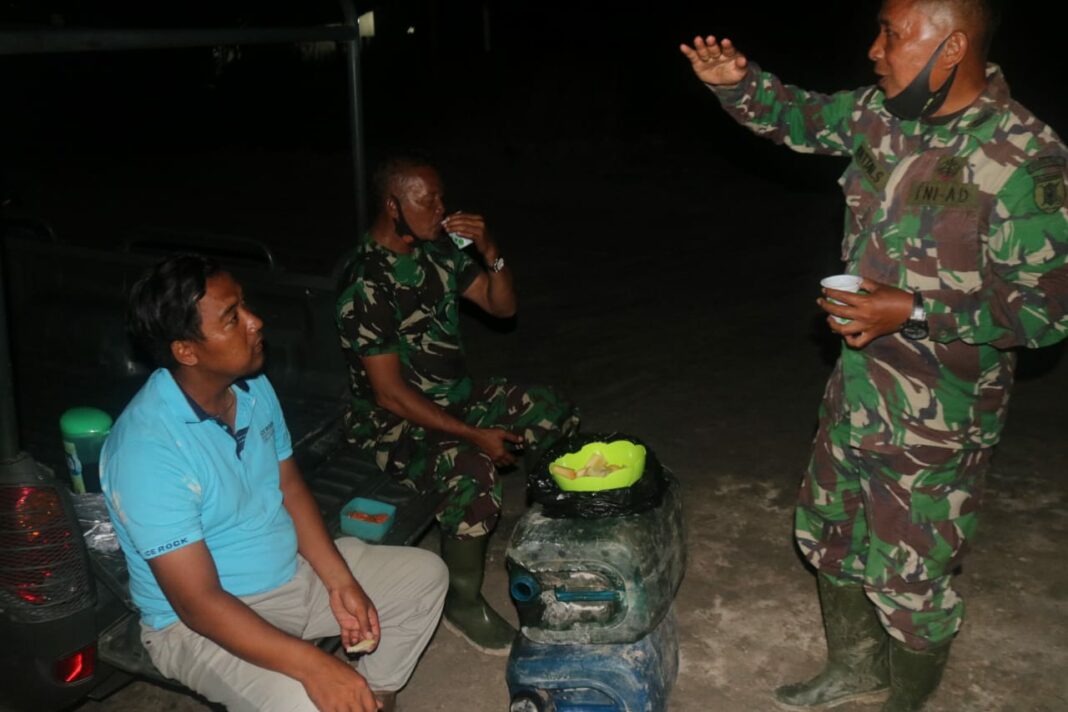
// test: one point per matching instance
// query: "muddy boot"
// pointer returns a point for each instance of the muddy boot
(914, 675)
(466, 611)
(857, 667)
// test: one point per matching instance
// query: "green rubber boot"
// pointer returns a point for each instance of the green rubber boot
(857, 667)
(914, 675)
(466, 611)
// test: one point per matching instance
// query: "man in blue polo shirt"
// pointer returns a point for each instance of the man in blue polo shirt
(230, 564)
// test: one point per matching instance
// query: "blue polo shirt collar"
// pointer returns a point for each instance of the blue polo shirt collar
(199, 414)
(190, 411)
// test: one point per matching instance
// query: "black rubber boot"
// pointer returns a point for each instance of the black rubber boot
(857, 668)
(914, 675)
(466, 611)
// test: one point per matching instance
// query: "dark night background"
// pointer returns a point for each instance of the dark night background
(100, 143)
(667, 262)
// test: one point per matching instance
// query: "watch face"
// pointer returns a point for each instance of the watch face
(914, 330)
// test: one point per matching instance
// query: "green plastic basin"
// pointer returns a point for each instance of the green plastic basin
(618, 452)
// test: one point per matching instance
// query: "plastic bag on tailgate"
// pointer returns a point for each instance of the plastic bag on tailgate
(95, 523)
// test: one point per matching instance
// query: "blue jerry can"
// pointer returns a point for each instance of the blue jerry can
(625, 677)
(594, 581)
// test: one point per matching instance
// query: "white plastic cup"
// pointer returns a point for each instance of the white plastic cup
(843, 283)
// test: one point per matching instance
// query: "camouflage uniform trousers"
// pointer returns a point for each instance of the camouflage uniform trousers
(436, 461)
(896, 523)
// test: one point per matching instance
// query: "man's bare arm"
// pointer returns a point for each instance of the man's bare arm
(355, 612)
(493, 292)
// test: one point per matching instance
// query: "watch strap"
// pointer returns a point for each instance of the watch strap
(918, 312)
(915, 327)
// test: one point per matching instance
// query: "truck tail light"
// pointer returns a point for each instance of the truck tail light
(78, 666)
(43, 570)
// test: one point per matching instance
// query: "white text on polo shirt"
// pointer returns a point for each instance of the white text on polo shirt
(156, 551)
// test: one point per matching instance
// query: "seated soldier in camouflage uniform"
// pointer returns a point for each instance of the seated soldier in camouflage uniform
(956, 222)
(414, 407)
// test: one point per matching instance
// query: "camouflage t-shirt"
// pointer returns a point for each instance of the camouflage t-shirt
(406, 305)
(969, 211)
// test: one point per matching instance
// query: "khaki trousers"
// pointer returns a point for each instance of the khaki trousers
(406, 584)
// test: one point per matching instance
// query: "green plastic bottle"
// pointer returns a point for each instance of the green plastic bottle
(84, 430)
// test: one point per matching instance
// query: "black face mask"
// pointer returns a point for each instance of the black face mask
(400, 225)
(917, 101)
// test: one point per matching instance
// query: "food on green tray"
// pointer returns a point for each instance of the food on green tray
(560, 471)
(596, 466)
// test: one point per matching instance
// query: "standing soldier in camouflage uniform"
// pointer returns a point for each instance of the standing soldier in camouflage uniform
(956, 222)
(414, 408)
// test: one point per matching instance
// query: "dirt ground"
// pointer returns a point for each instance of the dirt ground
(674, 299)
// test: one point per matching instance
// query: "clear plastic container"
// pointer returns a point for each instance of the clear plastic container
(608, 580)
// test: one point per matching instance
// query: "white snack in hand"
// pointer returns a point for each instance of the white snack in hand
(361, 646)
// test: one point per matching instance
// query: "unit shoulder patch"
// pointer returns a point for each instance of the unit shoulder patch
(1048, 175)
(1049, 193)
(1045, 164)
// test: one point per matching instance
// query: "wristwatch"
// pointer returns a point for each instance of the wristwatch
(915, 327)
(497, 265)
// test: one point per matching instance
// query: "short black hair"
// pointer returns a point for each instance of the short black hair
(391, 169)
(162, 307)
(987, 15)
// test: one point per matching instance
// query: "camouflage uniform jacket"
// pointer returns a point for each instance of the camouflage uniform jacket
(407, 305)
(969, 211)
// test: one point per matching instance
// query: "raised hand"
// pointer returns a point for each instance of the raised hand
(716, 63)
(469, 225)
